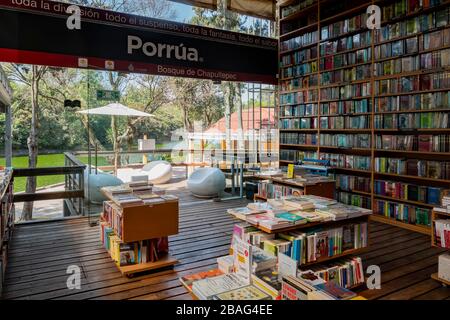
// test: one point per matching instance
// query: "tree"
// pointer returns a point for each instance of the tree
(30, 76)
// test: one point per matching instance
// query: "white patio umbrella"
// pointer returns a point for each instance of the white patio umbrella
(114, 110)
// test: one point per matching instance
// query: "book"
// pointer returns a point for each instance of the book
(334, 291)
(269, 282)
(226, 264)
(294, 288)
(245, 293)
(242, 213)
(188, 280)
(310, 277)
(294, 218)
(208, 287)
(262, 260)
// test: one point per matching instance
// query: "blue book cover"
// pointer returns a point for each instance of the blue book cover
(434, 195)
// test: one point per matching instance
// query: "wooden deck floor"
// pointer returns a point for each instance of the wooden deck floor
(40, 254)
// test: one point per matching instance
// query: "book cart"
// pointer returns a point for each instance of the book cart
(144, 222)
(438, 213)
(373, 102)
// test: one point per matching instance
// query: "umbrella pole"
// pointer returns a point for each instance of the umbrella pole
(115, 146)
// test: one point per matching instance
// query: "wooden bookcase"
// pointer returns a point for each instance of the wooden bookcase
(144, 222)
(323, 189)
(322, 99)
(438, 213)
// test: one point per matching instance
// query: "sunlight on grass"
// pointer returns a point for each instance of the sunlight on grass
(50, 160)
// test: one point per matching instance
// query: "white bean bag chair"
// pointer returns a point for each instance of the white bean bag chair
(206, 182)
(158, 172)
(94, 182)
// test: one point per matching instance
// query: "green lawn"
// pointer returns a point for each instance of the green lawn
(51, 160)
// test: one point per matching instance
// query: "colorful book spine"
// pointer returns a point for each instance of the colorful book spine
(403, 212)
(406, 191)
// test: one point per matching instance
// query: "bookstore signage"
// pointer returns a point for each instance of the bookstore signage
(114, 41)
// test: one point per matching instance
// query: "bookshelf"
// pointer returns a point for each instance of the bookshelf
(6, 218)
(438, 213)
(309, 227)
(324, 189)
(375, 103)
(141, 229)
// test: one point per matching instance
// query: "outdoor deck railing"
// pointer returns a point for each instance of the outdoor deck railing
(74, 182)
(74, 186)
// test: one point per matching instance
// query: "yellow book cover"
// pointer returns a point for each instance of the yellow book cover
(358, 298)
(290, 172)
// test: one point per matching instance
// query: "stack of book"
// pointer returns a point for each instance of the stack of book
(294, 288)
(446, 201)
(268, 221)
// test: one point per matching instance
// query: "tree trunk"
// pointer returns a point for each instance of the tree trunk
(93, 140)
(27, 213)
(229, 103)
(186, 122)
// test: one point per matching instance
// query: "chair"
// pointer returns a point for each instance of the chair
(158, 172)
(206, 183)
(97, 181)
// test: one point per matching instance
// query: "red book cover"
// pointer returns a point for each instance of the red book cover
(425, 82)
(425, 143)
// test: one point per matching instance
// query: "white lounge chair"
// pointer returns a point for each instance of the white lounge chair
(158, 172)
(206, 182)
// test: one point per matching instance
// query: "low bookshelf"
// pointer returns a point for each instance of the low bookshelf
(319, 188)
(135, 232)
(437, 214)
(373, 102)
(326, 226)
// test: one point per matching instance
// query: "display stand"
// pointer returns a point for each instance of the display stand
(312, 225)
(144, 222)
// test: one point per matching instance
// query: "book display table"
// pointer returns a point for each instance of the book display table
(135, 226)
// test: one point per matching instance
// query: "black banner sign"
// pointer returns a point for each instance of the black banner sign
(35, 32)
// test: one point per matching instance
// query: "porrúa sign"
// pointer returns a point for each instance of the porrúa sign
(35, 32)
